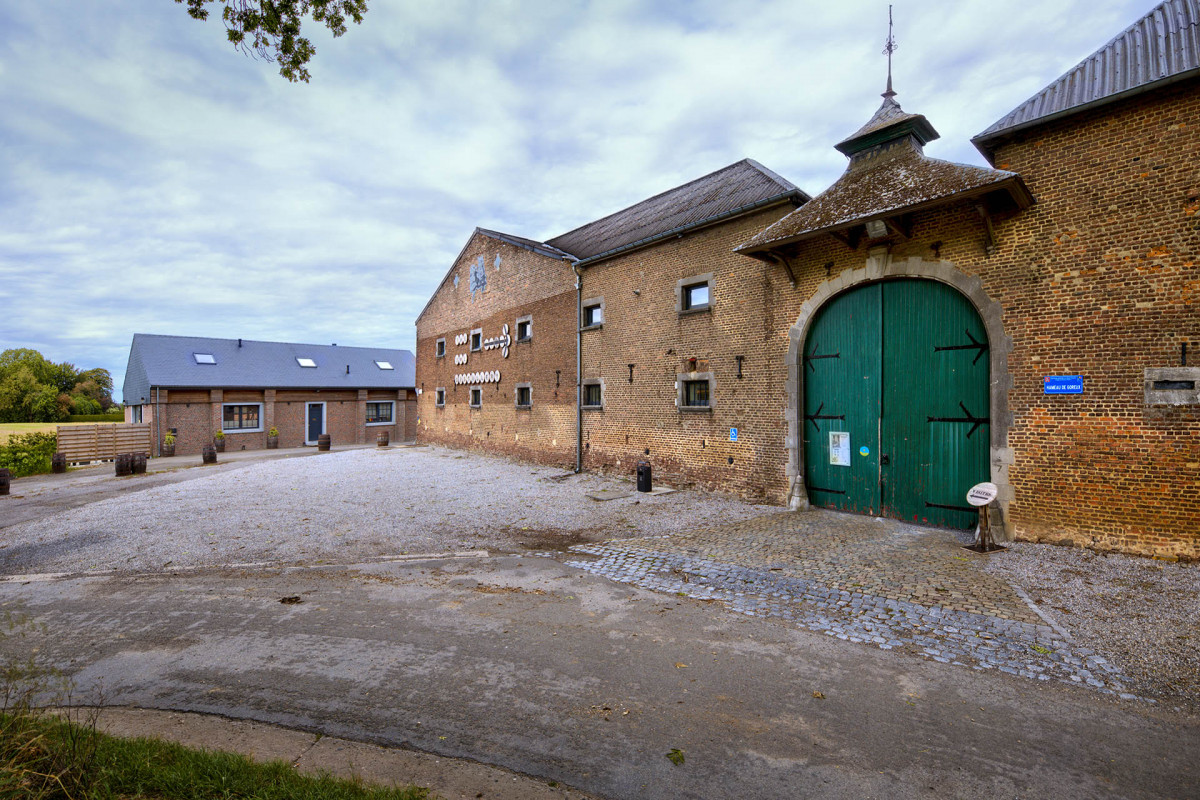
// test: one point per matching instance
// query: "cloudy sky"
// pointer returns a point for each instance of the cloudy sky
(154, 180)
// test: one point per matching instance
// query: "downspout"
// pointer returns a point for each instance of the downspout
(157, 424)
(578, 368)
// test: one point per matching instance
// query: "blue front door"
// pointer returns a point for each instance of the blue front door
(316, 421)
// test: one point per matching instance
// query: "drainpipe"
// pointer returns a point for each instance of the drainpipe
(157, 424)
(578, 368)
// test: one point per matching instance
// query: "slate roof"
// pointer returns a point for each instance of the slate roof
(168, 362)
(1161, 47)
(898, 180)
(886, 119)
(725, 193)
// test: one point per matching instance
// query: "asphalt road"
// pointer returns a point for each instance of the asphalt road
(531, 665)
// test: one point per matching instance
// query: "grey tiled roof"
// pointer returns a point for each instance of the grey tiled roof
(1161, 47)
(898, 180)
(168, 361)
(736, 188)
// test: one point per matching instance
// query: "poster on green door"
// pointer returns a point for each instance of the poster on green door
(839, 448)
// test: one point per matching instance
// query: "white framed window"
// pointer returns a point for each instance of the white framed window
(476, 398)
(306, 362)
(439, 397)
(381, 412)
(204, 358)
(384, 364)
(593, 393)
(477, 339)
(241, 417)
(592, 315)
(694, 293)
(524, 328)
(439, 348)
(523, 395)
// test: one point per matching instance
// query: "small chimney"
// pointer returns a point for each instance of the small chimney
(347, 369)
(239, 343)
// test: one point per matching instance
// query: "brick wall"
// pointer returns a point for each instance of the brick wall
(524, 284)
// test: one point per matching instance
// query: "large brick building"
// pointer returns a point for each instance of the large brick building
(916, 328)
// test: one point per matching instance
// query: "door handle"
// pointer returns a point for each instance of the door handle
(884, 461)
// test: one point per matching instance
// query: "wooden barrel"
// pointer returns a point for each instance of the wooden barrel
(58, 463)
(384, 439)
(324, 441)
(219, 444)
(5, 480)
(208, 454)
(124, 464)
(139, 463)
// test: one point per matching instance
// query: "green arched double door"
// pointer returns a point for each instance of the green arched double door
(896, 403)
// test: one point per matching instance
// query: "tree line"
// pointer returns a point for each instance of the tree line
(35, 389)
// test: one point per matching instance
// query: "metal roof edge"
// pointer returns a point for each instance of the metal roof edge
(728, 215)
(982, 141)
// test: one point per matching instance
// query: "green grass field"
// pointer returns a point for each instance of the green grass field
(8, 429)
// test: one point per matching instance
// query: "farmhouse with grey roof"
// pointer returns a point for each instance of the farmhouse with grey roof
(194, 387)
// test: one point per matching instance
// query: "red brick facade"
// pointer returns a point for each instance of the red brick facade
(196, 415)
(1098, 278)
(520, 284)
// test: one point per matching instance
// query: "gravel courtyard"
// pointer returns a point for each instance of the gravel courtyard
(351, 505)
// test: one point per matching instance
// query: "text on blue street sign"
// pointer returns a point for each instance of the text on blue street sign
(733, 434)
(1063, 384)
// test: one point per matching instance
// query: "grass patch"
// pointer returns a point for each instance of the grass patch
(8, 429)
(46, 758)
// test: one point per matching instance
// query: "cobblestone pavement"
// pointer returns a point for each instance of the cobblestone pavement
(861, 579)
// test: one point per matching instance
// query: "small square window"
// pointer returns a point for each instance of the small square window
(477, 339)
(204, 358)
(524, 396)
(593, 315)
(439, 397)
(440, 348)
(384, 364)
(695, 394)
(695, 297)
(593, 395)
(524, 330)
(476, 396)
(307, 363)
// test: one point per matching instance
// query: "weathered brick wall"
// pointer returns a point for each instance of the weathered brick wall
(1103, 281)
(524, 284)
(1099, 278)
(643, 328)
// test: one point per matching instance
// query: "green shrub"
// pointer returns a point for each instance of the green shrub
(28, 453)
(97, 417)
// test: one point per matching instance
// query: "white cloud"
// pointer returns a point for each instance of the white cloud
(152, 179)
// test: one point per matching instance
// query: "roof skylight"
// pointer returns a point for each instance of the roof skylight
(384, 364)
(204, 358)
(305, 362)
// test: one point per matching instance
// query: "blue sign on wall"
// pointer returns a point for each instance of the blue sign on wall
(733, 434)
(1063, 384)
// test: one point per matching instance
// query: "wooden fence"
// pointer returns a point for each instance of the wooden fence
(102, 442)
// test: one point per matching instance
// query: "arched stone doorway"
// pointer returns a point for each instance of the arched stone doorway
(913, 478)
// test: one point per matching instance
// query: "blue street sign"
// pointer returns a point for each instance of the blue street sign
(733, 434)
(1063, 384)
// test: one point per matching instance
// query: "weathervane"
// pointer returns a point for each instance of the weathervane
(888, 49)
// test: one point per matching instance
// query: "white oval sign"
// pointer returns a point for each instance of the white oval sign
(981, 494)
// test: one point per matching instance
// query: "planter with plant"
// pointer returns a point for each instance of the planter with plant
(168, 445)
(273, 438)
(219, 441)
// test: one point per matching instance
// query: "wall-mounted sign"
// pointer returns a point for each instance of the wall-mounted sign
(502, 341)
(839, 448)
(477, 377)
(1062, 384)
(733, 434)
(864, 451)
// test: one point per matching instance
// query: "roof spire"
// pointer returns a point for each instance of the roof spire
(888, 48)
